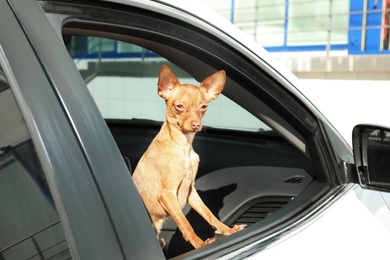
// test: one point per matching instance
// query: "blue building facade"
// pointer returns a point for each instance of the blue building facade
(371, 20)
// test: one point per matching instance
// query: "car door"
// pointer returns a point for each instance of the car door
(62, 124)
(198, 49)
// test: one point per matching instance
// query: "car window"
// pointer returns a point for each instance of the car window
(122, 79)
(30, 227)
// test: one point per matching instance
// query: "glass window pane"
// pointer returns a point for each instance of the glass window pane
(309, 22)
(271, 21)
(78, 46)
(30, 227)
(340, 22)
(98, 45)
(265, 21)
(124, 47)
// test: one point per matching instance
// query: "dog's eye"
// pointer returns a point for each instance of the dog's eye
(203, 107)
(180, 107)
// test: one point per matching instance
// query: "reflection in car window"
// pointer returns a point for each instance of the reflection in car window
(122, 79)
(29, 224)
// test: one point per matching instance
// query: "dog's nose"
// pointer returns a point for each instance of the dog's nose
(195, 125)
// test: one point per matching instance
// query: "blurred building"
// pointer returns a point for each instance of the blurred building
(325, 39)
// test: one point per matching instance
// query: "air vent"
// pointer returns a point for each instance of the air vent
(258, 210)
(293, 179)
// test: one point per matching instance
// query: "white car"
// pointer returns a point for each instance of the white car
(78, 107)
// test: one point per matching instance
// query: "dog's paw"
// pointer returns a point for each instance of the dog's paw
(238, 227)
(209, 241)
(162, 242)
(234, 229)
(206, 242)
(199, 243)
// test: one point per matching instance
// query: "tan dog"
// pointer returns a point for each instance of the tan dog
(165, 174)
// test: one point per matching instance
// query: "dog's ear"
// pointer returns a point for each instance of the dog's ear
(214, 84)
(166, 82)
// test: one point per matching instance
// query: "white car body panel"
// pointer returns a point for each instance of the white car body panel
(378, 204)
(348, 228)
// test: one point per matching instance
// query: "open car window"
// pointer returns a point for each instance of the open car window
(241, 177)
(122, 78)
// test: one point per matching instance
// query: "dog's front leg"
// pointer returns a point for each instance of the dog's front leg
(198, 205)
(170, 203)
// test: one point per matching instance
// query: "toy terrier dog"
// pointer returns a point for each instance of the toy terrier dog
(165, 174)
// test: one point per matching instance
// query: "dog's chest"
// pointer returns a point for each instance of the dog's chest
(190, 167)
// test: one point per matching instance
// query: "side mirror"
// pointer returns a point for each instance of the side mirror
(371, 148)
